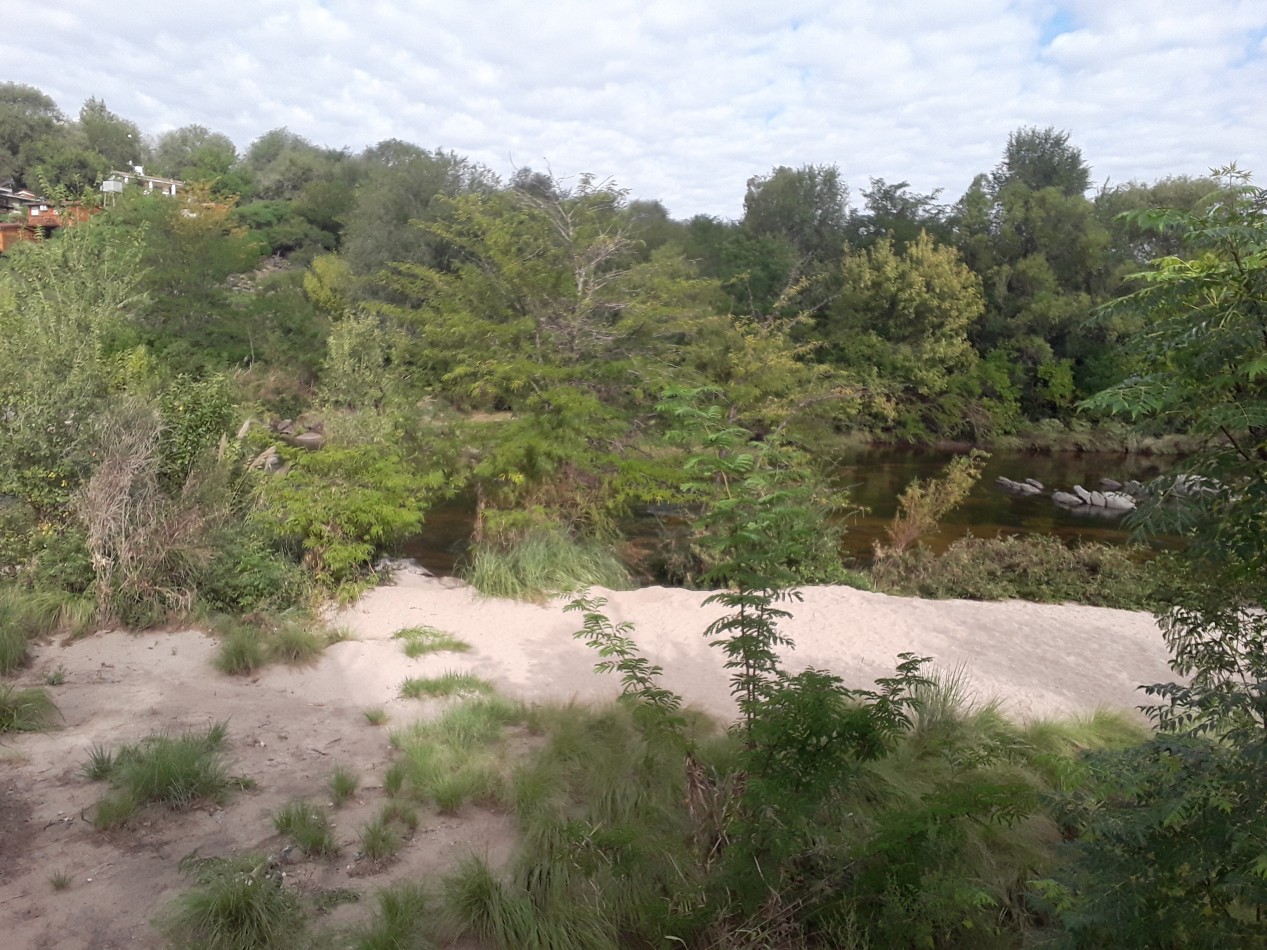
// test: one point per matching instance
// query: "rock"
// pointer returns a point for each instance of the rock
(1084, 496)
(1133, 487)
(1066, 500)
(308, 440)
(1119, 501)
(1097, 499)
(1110, 484)
(1017, 488)
(268, 460)
(1034, 483)
(244, 429)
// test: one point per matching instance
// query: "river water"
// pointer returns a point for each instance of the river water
(875, 478)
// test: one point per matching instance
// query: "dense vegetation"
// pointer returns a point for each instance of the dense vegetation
(564, 354)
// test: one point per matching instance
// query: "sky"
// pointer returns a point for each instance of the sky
(681, 101)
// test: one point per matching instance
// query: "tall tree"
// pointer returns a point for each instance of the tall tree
(116, 139)
(26, 114)
(806, 206)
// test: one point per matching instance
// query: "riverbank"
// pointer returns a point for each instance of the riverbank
(288, 728)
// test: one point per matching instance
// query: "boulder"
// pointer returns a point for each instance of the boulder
(308, 440)
(1034, 483)
(1097, 499)
(1119, 501)
(1110, 484)
(1066, 500)
(1084, 496)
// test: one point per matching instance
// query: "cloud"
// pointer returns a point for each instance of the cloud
(681, 101)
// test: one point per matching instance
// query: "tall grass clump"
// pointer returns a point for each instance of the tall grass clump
(541, 563)
(308, 826)
(448, 683)
(403, 920)
(248, 644)
(236, 904)
(28, 614)
(176, 772)
(455, 759)
(25, 710)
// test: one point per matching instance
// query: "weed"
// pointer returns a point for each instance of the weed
(343, 783)
(422, 640)
(376, 717)
(247, 646)
(308, 826)
(59, 880)
(379, 840)
(400, 813)
(55, 677)
(100, 763)
(236, 903)
(175, 772)
(25, 710)
(449, 683)
(12, 645)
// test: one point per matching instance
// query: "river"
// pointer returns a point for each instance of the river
(875, 478)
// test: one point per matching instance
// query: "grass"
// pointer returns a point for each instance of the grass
(246, 647)
(26, 710)
(343, 783)
(308, 826)
(380, 841)
(419, 641)
(402, 920)
(543, 563)
(376, 717)
(175, 772)
(448, 683)
(28, 614)
(235, 904)
(59, 881)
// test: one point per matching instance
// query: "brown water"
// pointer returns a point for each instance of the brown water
(875, 478)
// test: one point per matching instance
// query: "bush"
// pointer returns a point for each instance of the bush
(1034, 568)
(543, 562)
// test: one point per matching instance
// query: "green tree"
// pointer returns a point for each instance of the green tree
(116, 139)
(26, 114)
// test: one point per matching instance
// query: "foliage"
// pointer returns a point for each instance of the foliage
(1037, 569)
(449, 683)
(343, 784)
(923, 505)
(256, 640)
(341, 506)
(237, 903)
(419, 641)
(308, 826)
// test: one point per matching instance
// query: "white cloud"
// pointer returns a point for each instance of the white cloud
(682, 101)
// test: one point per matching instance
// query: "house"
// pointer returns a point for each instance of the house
(150, 183)
(41, 218)
(15, 199)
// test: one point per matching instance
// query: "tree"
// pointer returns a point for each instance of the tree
(116, 139)
(807, 206)
(898, 213)
(1042, 158)
(26, 114)
(194, 153)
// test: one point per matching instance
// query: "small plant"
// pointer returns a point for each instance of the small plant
(25, 710)
(12, 645)
(343, 783)
(449, 683)
(308, 826)
(236, 903)
(376, 717)
(379, 840)
(923, 505)
(59, 880)
(297, 645)
(422, 640)
(175, 772)
(55, 677)
(401, 921)
(99, 765)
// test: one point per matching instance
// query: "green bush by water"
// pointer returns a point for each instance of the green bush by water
(542, 563)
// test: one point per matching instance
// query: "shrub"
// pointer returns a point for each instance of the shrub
(25, 710)
(341, 506)
(923, 505)
(236, 904)
(1035, 568)
(543, 562)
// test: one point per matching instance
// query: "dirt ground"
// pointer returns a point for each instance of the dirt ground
(289, 728)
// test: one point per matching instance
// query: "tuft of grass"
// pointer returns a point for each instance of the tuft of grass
(173, 771)
(235, 904)
(241, 652)
(13, 646)
(27, 614)
(449, 683)
(343, 783)
(308, 826)
(59, 880)
(376, 717)
(296, 645)
(380, 841)
(26, 710)
(403, 919)
(542, 563)
(419, 641)
(100, 763)
(55, 677)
